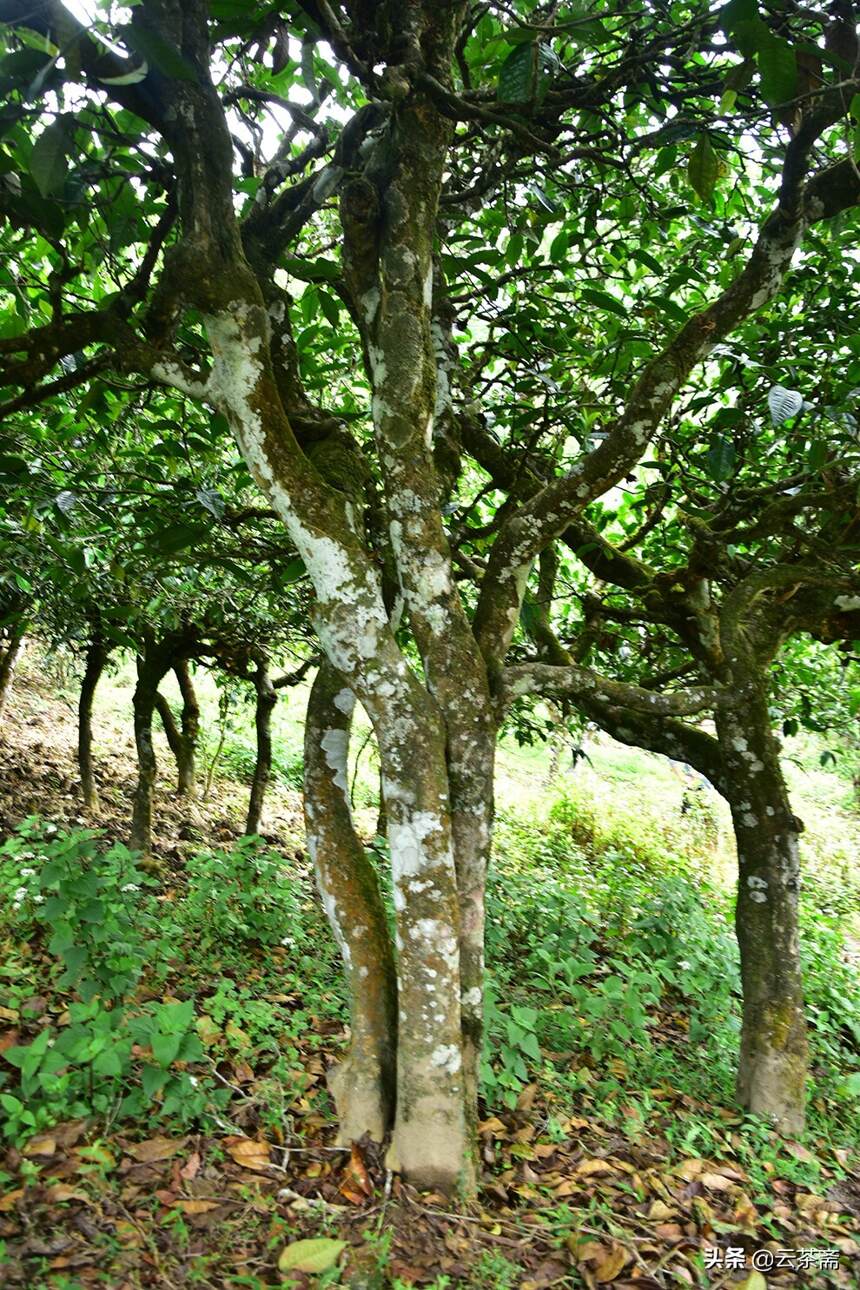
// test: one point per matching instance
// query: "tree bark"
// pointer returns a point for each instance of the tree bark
(97, 656)
(182, 736)
(189, 730)
(267, 697)
(364, 1084)
(151, 667)
(9, 657)
(773, 1059)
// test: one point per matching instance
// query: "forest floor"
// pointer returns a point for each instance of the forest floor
(587, 1181)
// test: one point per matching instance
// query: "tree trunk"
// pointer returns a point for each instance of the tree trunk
(97, 656)
(363, 1085)
(189, 731)
(773, 1059)
(168, 721)
(381, 813)
(182, 738)
(151, 667)
(9, 656)
(267, 697)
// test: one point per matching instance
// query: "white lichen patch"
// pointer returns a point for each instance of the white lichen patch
(407, 838)
(446, 1057)
(335, 746)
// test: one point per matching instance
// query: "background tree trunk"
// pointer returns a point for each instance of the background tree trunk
(9, 656)
(97, 656)
(266, 699)
(382, 813)
(363, 1085)
(773, 1058)
(189, 730)
(182, 738)
(151, 667)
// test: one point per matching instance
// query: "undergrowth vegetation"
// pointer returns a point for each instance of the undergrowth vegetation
(611, 957)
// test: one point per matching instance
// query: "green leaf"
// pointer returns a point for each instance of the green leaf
(527, 73)
(738, 79)
(49, 160)
(516, 76)
(737, 11)
(703, 169)
(720, 460)
(176, 537)
(108, 1063)
(165, 1048)
(329, 307)
(603, 300)
(311, 270)
(777, 64)
(311, 1256)
(20, 69)
(783, 404)
(158, 52)
(152, 1079)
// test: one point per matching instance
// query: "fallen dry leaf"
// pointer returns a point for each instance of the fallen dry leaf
(156, 1149)
(196, 1206)
(249, 1153)
(42, 1145)
(59, 1192)
(190, 1169)
(586, 1168)
(716, 1182)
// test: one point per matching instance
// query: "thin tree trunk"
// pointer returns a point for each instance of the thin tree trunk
(773, 1058)
(363, 1085)
(382, 813)
(9, 657)
(267, 697)
(97, 656)
(190, 730)
(151, 667)
(168, 721)
(182, 738)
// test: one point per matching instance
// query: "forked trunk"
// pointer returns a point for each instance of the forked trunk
(363, 1085)
(773, 1059)
(267, 697)
(97, 656)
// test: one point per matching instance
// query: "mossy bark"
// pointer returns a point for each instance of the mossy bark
(363, 1085)
(773, 1062)
(97, 656)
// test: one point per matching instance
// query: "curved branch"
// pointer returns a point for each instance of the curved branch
(574, 682)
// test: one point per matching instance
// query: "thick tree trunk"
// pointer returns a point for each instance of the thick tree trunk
(363, 1085)
(773, 1059)
(97, 656)
(151, 667)
(9, 655)
(267, 697)
(431, 1143)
